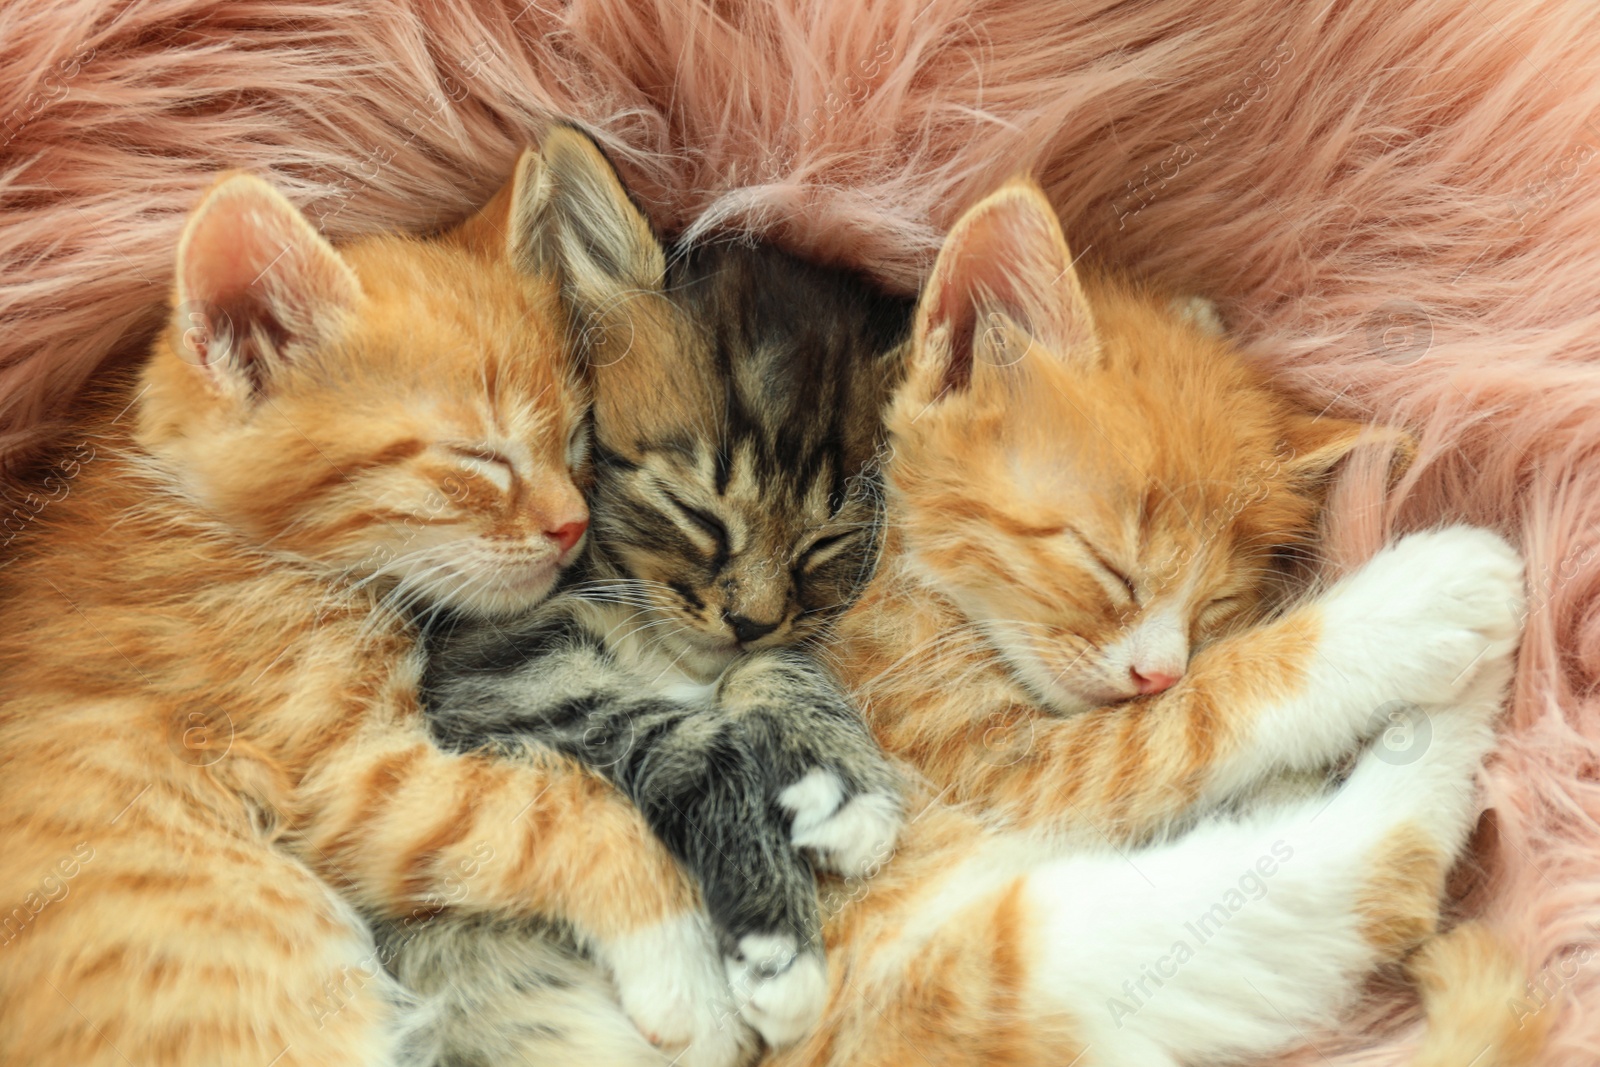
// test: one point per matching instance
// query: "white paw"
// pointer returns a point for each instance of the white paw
(853, 837)
(781, 992)
(1440, 607)
(671, 983)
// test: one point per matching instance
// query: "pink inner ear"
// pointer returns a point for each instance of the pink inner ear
(257, 274)
(951, 307)
(1005, 256)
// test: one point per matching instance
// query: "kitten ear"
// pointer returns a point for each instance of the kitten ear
(1003, 278)
(1317, 444)
(506, 225)
(257, 284)
(588, 229)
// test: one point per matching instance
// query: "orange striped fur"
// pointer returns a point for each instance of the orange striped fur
(1162, 458)
(1139, 467)
(208, 711)
(916, 981)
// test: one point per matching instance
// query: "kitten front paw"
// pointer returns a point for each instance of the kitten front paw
(1440, 607)
(670, 983)
(781, 990)
(849, 834)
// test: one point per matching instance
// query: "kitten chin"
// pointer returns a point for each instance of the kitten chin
(695, 654)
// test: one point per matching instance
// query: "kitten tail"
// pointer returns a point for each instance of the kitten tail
(1471, 982)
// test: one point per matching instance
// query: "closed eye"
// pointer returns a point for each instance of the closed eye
(578, 444)
(1127, 583)
(1219, 607)
(708, 523)
(486, 463)
(482, 455)
(1113, 572)
(824, 548)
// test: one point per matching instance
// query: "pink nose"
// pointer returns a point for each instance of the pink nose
(1153, 682)
(567, 534)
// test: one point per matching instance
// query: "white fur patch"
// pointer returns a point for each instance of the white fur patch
(813, 799)
(781, 992)
(1201, 312)
(672, 986)
(858, 839)
(852, 838)
(698, 694)
(1434, 607)
(1412, 629)
(1237, 939)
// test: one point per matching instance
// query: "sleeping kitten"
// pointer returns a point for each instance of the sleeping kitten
(735, 516)
(1073, 629)
(1095, 503)
(981, 944)
(208, 691)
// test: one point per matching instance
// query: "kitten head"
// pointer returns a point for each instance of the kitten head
(398, 411)
(1087, 472)
(738, 408)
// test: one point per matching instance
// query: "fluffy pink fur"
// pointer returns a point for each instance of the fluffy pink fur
(1391, 199)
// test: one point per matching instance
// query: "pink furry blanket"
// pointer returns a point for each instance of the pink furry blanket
(1392, 200)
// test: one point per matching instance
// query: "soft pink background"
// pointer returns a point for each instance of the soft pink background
(1393, 201)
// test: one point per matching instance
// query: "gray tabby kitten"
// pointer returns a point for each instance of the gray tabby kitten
(735, 509)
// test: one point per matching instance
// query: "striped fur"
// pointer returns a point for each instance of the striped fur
(738, 413)
(1091, 495)
(1152, 882)
(208, 689)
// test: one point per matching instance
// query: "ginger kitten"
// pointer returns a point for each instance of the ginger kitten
(1074, 630)
(208, 691)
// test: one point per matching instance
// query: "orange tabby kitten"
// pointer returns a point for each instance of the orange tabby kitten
(1088, 492)
(208, 721)
(1089, 486)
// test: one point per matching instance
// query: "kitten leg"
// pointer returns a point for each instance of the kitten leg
(841, 791)
(178, 943)
(934, 957)
(1414, 626)
(511, 993)
(1240, 937)
(405, 828)
(690, 770)
(706, 795)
